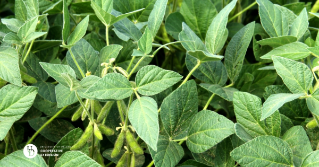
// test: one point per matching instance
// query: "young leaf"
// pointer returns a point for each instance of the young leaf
(191, 41)
(76, 159)
(32, 63)
(272, 19)
(173, 24)
(9, 65)
(79, 31)
(294, 51)
(178, 108)
(145, 42)
(12, 38)
(300, 25)
(156, 17)
(275, 101)
(264, 151)
(109, 52)
(27, 28)
(311, 160)
(205, 56)
(106, 5)
(128, 28)
(225, 93)
(241, 133)
(273, 124)
(19, 159)
(313, 102)
(296, 76)
(66, 22)
(168, 153)
(277, 41)
(144, 118)
(20, 9)
(236, 50)
(214, 37)
(208, 129)
(223, 150)
(151, 80)
(12, 24)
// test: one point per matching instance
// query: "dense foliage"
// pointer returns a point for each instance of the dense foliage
(188, 83)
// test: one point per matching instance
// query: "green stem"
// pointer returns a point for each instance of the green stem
(131, 62)
(46, 124)
(109, 164)
(83, 105)
(315, 7)
(119, 106)
(209, 100)
(241, 12)
(136, 65)
(7, 147)
(107, 35)
(175, 2)
(170, 43)
(190, 73)
(76, 63)
(25, 57)
(25, 49)
(137, 96)
(13, 141)
(150, 164)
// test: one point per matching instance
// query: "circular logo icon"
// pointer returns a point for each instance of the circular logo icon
(30, 151)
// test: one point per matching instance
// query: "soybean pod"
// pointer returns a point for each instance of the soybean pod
(105, 111)
(84, 138)
(135, 147)
(121, 162)
(118, 144)
(77, 114)
(106, 130)
(97, 132)
(132, 160)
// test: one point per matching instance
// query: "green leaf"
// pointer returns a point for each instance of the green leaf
(286, 124)
(143, 116)
(12, 38)
(236, 51)
(55, 71)
(12, 24)
(9, 65)
(27, 28)
(126, 6)
(168, 153)
(151, 80)
(223, 150)
(128, 28)
(72, 82)
(145, 42)
(66, 22)
(241, 133)
(275, 101)
(109, 52)
(272, 19)
(32, 36)
(296, 76)
(191, 41)
(207, 157)
(294, 51)
(178, 108)
(314, 50)
(64, 96)
(14, 103)
(299, 142)
(208, 129)
(106, 5)
(225, 93)
(79, 31)
(277, 41)
(313, 102)
(86, 83)
(214, 40)
(17, 159)
(264, 151)
(104, 16)
(273, 124)
(76, 159)
(32, 8)
(204, 56)
(156, 16)
(198, 15)
(56, 8)
(32, 64)
(123, 16)
(111, 86)
(247, 109)
(46, 90)
(312, 160)
(20, 9)
(300, 25)
(173, 24)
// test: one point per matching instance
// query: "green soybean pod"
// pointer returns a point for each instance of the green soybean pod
(312, 124)
(132, 160)
(106, 130)
(118, 144)
(87, 106)
(97, 107)
(84, 138)
(135, 147)
(77, 114)
(121, 162)
(98, 157)
(97, 132)
(105, 111)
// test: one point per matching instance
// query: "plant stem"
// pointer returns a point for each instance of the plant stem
(109, 164)
(83, 105)
(315, 7)
(107, 35)
(76, 63)
(25, 57)
(25, 49)
(7, 147)
(13, 141)
(136, 65)
(150, 164)
(209, 100)
(119, 106)
(190, 73)
(170, 43)
(131, 62)
(241, 12)
(45, 124)
(175, 2)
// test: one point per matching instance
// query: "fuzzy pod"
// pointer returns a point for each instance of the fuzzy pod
(312, 124)
(87, 106)
(135, 147)
(97, 107)
(118, 145)
(77, 114)
(97, 132)
(132, 160)
(121, 162)
(105, 111)
(98, 157)
(84, 138)
(106, 130)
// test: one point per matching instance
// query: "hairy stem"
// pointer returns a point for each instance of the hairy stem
(46, 124)
(76, 63)
(26, 56)
(190, 73)
(131, 62)
(83, 105)
(241, 12)
(136, 65)
(315, 7)
(209, 100)
(150, 164)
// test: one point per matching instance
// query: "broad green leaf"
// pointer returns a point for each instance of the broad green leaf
(14, 103)
(300, 25)
(198, 15)
(191, 41)
(12, 24)
(104, 16)
(168, 153)
(34, 69)
(66, 22)
(143, 116)
(241, 133)
(313, 102)
(106, 5)
(46, 90)
(32, 8)
(33, 36)
(17, 159)
(76, 159)
(20, 9)
(258, 49)
(83, 58)
(126, 6)
(173, 24)
(178, 108)
(225, 93)
(216, 30)
(296, 76)
(156, 16)
(151, 80)
(311, 160)
(208, 129)
(111, 86)
(236, 51)
(139, 53)
(223, 150)
(213, 72)
(128, 28)
(109, 52)
(55, 71)
(55, 8)
(247, 109)
(72, 82)
(12, 38)
(272, 19)
(95, 41)
(299, 142)
(273, 124)
(64, 96)
(275, 101)
(123, 16)
(79, 31)
(145, 42)
(294, 51)
(288, 15)
(264, 151)
(207, 157)
(54, 131)
(314, 50)
(9, 65)
(286, 124)
(27, 28)
(204, 56)
(277, 41)
(86, 83)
